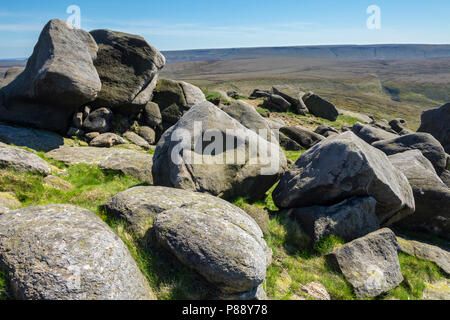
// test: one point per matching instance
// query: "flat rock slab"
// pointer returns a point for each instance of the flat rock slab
(370, 263)
(427, 252)
(22, 160)
(38, 140)
(62, 252)
(208, 234)
(134, 163)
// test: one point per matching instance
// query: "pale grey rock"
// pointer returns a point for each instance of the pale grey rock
(61, 252)
(9, 201)
(137, 140)
(341, 167)
(370, 263)
(22, 161)
(371, 134)
(107, 140)
(193, 94)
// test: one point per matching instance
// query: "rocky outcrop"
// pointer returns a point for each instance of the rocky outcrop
(320, 107)
(201, 163)
(371, 134)
(370, 263)
(431, 195)
(134, 163)
(341, 167)
(348, 220)
(429, 146)
(38, 140)
(59, 78)
(297, 104)
(128, 67)
(22, 161)
(437, 123)
(305, 138)
(61, 252)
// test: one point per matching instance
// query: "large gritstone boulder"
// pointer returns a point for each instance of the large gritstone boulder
(22, 161)
(429, 146)
(209, 151)
(431, 195)
(128, 67)
(370, 263)
(371, 134)
(62, 252)
(341, 167)
(302, 136)
(437, 123)
(213, 237)
(59, 78)
(321, 107)
(297, 104)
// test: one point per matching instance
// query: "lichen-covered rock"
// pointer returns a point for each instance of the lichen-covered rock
(128, 67)
(59, 78)
(426, 143)
(22, 160)
(431, 195)
(370, 263)
(38, 140)
(250, 175)
(341, 167)
(348, 220)
(371, 134)
(9, 200)
(61, 252)
(130, 162)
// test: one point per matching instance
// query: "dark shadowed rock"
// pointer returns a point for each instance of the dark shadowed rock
(277, 103)
(437, 123)
(128, 67)
(348, 220)
(445, 177)
(424, 142)
(305, 138)
(384, 125)
(341, 167)
(371, 134)
(289, 144)
(59, 78)
(22, 160)
(38, 140)
(152, 115)
(326, 131)
(297, 104)
(135, 163)
(370, 263)
(212, 173)
(98, 121)
(400, 126)
(107, 140)
(321, 107)
(61, 252)
(431, 195)
(425, 251)
(9, 76)
(257, 93)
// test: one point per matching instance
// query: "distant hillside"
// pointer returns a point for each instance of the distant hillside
(368, 52)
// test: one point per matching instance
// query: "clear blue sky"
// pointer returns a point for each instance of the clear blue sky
(194, 24)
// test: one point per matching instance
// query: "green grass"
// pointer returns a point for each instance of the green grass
(294, 155)
(4, 288)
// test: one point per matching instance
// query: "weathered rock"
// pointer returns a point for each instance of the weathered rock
(260, 216)
(212, 173)
(348, 220)
(445, 177)
(341, 167)
(257, 93)
(61, 252)
(128, 67)
(321, 107)
(315, 290)
(169, 96)
(305, 138)
(59, 78)
(148, 134)
(38, 140)
(152, 115)
(55, 182)
(91, 135)
(9, 200)
(437, 123)
(370, 263)
(400, 126)
(429, 146)
(98, 121)
(222, 243)
(107, 140)
(275, 123)
(326, 131)
(384, 125)
(288, 144)
(276, 102)
(249, 118)
(130, 162)
(137, 140)
(439, 290)
(22, 160)
(74, 132)
(371, 134)
(297, 104)
(431, 195)
(77, 121)
(427, 252)
(192, 94)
